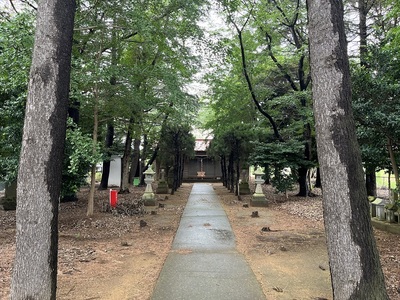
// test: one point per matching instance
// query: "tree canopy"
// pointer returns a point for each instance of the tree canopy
(133, 63)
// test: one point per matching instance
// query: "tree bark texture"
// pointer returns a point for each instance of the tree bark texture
(181, 169)
(363, 33)
(145, 146)
(302, 181)
(318, 183)
(107, 163)
(126, 162)
(176, 170)
(223, 170)
(267, 171)
(152, 158)
(134, 172)
(354, 260)
(90, 206)
(39, 176)
(303, 170)
(395, 169)
(231, 173)
(237, 178)
(370, 181)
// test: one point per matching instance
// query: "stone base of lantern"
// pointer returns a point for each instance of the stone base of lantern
(149, 199)
(258, 200)
(162, 188)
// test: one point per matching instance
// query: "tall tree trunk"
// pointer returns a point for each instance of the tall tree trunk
(178, 182)
(354, 260)
(362, 26)
(125, 162)
(267, 174)
(231, 173)
(318, 183)
(173, 179)
(135, 160)
(228, 176)
(181, 167)
(223, 170)
(237, 177)
(90, 207)
(143, 158)
(152, 159)
(107, 162)
(184, 158)
(303, 170)
(395, 168)
(363, 34)
(302, 181)
(370, 181)
(175, 172)
(39, 176)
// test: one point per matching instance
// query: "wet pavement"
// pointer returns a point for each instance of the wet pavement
(203, 262)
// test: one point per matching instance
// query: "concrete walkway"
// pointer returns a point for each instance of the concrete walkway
(204, 262)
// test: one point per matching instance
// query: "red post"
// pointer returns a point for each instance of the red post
(113, 198)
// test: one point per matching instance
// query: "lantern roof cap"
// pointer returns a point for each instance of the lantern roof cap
(149, 171)
(258, 172)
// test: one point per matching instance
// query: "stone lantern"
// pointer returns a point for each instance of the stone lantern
(148, 196)
(258, 199)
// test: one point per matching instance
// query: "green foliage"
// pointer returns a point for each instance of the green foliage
(11, 123)
(134, 57)
(283, 180)
(376, 105)
(233, 140)
(16, 41)
(290, 114)
(281, 156)
(267, 67)
(78, 159)
(176, 139)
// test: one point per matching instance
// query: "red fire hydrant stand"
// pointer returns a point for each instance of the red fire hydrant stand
(113, 198)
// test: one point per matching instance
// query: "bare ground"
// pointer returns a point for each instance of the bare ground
(111, 256)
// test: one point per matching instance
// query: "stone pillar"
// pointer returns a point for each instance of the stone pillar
(9, 202)
(162, 187)
(244, 188)
(258, 198)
